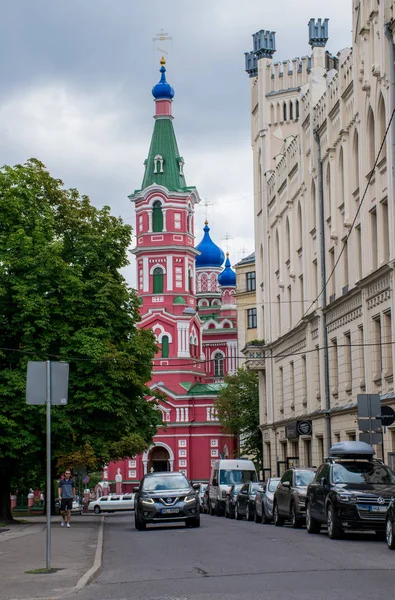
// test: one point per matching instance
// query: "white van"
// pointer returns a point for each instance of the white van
(224, 473)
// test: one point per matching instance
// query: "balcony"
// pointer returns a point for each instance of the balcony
(254, 353)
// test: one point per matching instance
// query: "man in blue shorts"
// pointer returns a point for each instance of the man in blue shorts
(66, 494)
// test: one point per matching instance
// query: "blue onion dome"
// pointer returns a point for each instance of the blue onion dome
(211, 255)
(162, 90)
(228, 277)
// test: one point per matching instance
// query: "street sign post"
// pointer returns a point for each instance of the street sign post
(47, 383)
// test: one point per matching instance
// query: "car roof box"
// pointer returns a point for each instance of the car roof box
(351, 450)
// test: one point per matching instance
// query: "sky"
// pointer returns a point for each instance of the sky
(75, 92)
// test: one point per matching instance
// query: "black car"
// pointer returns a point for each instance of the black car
(166, 497)
(350, 491)
(390, 525)
(245, 501)
(230, 501)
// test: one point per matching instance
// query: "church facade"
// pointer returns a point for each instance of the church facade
(188, 300)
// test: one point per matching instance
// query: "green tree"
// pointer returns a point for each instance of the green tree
(238, 410)
(62, 297)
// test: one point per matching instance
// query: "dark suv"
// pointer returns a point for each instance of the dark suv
(166, 497)
(350, 491)
(290, 496)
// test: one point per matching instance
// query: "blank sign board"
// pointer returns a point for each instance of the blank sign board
(36, 382)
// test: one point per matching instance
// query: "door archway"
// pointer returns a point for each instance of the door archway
(159, 460)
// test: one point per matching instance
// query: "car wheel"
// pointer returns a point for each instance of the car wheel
(195, 522)
(389, 534)
(231, 513)
(238, 516)
(97, 510)
(295, 523)
(334, 528)
(257, 518)
(278, 521)
(265, 518)
(139, 525)
(218, 510)
(249, 513)
(311, 524)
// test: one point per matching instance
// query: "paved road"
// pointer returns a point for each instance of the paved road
(225, 560)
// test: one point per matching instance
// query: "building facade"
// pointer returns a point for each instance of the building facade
(324, 235)
(246, 304)
(188, 300)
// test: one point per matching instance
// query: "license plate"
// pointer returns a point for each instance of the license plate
(170, 511)
(378, 509)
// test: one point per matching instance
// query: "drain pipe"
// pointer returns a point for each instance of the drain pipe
(323, 282)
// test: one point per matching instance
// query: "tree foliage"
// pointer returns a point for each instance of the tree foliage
(62, 297)
(238, 410)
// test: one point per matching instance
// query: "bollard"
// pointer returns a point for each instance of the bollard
(118, 482)
(13, 502)
(30, 501)
(87, 497)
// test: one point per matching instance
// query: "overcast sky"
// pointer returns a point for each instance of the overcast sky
(75, 92)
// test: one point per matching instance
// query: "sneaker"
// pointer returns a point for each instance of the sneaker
(62, 523)
(68, 525)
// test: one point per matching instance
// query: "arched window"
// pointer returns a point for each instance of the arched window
(297, 109)
(291, 110)
(287, 241)
(190, 278)
(328, 203)
(382, 124)
(277, 253)
(284, 111)
(157, 280)
(356, 160)
(157, 217)
(218, 364)
(313, 211)
(341, 178)
(371, 138)
(165, 346)
(300, 228)
(272, 117)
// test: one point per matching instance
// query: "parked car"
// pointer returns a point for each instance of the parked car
(223, 475)
(245, 501)
(205, 500)
(289, 500)
(231, 500)
(351, 490)
(202, 490)
(264, 501)
(77, 508)
(390, 525)
(113, 503)
(166, 497)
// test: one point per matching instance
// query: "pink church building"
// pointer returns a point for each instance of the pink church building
(188, 300)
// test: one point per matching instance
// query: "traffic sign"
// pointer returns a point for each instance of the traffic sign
(371, 438)
(387, 416)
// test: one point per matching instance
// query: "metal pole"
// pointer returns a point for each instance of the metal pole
(320, 179)
(49, 483)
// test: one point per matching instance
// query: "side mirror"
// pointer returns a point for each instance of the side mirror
(135, 489)
(196, 486)
(286, 484)
(215, 482)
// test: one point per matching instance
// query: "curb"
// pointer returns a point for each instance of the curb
(94, 570)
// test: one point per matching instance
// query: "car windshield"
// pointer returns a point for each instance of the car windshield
(273, 485)
(159, 484)
(303, 478)
(236, 476)
(362, 472)
(254, 487)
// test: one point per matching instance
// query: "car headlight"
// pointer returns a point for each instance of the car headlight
(347, 498)
(146, 501)
(190, 498)
(301, 498)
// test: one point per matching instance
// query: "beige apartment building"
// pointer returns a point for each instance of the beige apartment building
(246, 304)
(324, 235)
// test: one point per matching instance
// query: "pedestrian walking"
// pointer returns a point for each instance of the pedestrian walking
(66, 494)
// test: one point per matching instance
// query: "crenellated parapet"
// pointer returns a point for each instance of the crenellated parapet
(318, 33)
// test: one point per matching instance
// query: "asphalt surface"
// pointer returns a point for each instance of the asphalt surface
(227, 559)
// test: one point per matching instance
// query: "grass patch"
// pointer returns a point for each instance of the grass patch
(43, 571)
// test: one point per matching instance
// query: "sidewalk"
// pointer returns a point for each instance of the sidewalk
(75, 551)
